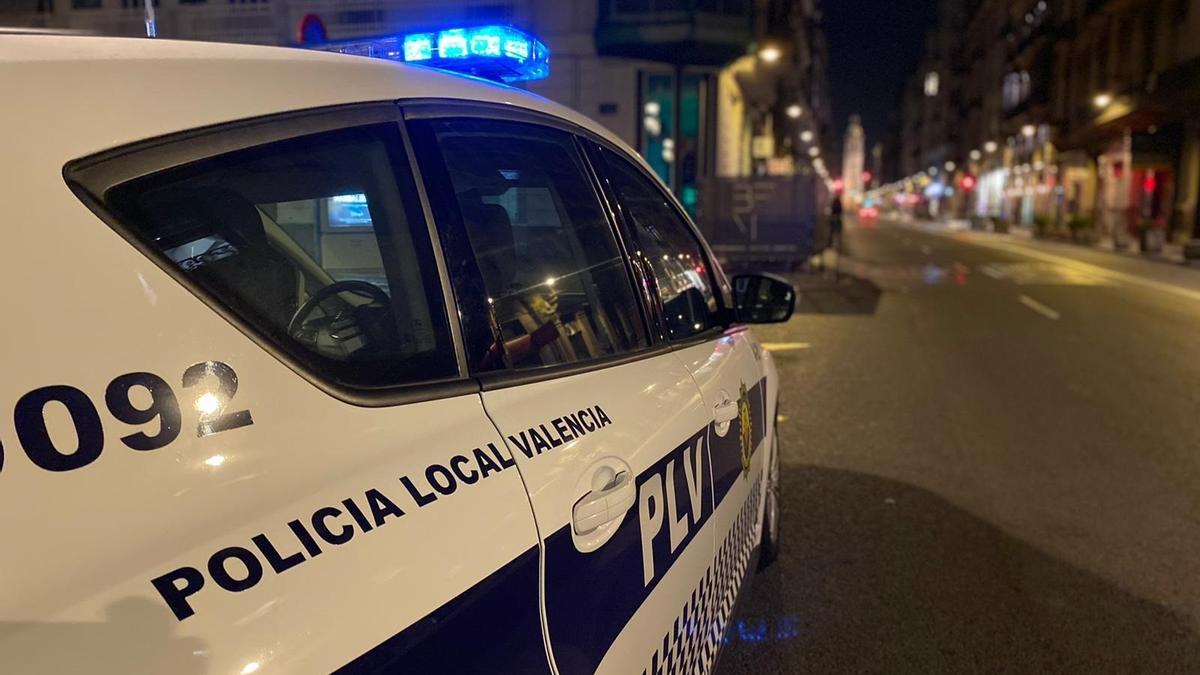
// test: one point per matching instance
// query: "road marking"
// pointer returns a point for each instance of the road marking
(1102, 272)
(784, 346)
(992, 271)
(1040, 308)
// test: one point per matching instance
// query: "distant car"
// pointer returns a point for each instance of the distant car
(868, 214)
(318, 361)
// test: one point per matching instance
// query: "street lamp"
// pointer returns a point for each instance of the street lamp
(990, 147)
(770, 54)
(1102, 100)
(976, 155)
(806, 136)
(814, 151)
(950, 166)
(794, 111)
(1028, 131)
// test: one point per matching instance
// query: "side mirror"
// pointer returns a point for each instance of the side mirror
(763, 298)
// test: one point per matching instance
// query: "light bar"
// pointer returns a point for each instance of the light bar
(497, 53)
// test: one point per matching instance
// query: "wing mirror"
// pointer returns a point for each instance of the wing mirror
(763, 298)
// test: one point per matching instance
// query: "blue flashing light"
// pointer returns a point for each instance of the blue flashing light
(452, 44)
(418, 47)
(517, 49)
(498, 53)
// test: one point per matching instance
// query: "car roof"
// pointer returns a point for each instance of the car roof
(77, 95)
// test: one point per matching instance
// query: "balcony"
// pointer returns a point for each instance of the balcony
(693, 32)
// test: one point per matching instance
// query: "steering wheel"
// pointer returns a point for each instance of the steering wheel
(355, 286)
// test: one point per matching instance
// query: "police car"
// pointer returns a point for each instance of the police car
(316, 362)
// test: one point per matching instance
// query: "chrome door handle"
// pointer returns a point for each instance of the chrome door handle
(725, 412)
(600, 507)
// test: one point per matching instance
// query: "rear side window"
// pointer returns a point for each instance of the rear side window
(557, 288)
(664, 240)
(317, 242)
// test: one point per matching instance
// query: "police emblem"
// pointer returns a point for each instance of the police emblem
(746, 435)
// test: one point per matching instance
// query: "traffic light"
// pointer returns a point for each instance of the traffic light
(967, 182)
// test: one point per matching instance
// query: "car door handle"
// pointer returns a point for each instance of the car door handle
(725, 412)
(605, 505)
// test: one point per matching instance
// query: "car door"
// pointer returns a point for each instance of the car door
(606, 425)
(245, 426)
(724, 358)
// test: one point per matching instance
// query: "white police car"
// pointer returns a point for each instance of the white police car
(319, 362)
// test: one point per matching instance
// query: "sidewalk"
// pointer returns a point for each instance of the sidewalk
(1167, 268)
(1170, 254)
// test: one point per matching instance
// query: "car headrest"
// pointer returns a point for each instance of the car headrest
(188, 211)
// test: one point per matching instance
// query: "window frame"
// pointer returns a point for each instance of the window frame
(468, 285)
(716, 276)
(93, 175)
(89, 178)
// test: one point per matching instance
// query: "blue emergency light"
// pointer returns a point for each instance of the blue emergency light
(497, 53)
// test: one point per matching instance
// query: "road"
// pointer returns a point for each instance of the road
(991, 463)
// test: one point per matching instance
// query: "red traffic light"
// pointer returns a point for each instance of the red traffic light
(967, 182)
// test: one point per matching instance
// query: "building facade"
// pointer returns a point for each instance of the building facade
(679, 80)
(1068, 116)
(853, 161)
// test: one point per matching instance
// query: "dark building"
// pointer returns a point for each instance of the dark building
(1068, 115)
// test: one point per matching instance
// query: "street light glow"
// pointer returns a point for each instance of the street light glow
(806, 136)
(794, 111)
(976, 155)
(814, 151)
(951, 166)
(990, 147)
(1102, 100)
(1028, 131)
(770, 54)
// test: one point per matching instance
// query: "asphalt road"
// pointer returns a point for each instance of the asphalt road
(991, 464)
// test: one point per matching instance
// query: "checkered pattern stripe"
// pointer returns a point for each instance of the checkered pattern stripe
(691, 645)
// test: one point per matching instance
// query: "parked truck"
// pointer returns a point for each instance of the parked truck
(765, 221)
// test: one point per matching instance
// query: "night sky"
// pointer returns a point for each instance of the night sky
(873, 46)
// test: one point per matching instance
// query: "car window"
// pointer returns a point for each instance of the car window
(315, 241)
(558, 289)
(664, 240)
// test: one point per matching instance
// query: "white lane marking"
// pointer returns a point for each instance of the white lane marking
(1040, 308)
(1102, 272)
(784, 346)
(992, 271)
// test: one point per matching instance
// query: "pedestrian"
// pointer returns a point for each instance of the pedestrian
(835, 223)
